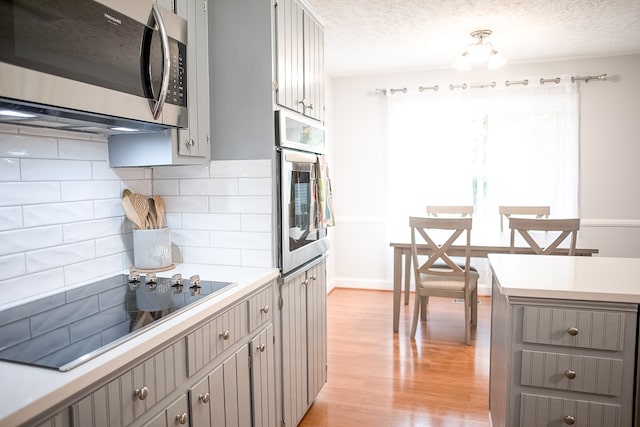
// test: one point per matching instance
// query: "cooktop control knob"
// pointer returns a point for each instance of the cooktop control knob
(152, 281)
(176, 283)
(195, 284)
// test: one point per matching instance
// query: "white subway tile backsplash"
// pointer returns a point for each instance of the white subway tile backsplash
(59, 256)
(173, 220)
(26, 286)
(89, 190)
(27, 193)
(241, 169)
(57, 213)
(9, 169)
(10, 218)
(127, 174)
(186, 203)
(27, 239)
(142, 186)
(210, 221)
(181, 172)
(240, 240)
(92, 269)
(166, 187)
(12, 266)
(89, 230)
(250, 222)
(55, 170)
(107, 208)
(209, 187)
(253, 258)
(37, 147)
(114, 245)
(253, 205)
(212, 256)
(82, 150)
(254, 187)
(194, 238)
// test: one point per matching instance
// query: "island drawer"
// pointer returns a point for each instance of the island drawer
(592, 329)
(571, 372)
(210, 340)
(260, 308)
(545, 411)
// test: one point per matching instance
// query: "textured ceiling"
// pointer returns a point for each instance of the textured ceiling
(369, 36)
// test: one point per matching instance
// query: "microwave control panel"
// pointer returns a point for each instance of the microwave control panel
(177, 91)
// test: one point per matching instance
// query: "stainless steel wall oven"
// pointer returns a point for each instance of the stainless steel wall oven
(304, 191)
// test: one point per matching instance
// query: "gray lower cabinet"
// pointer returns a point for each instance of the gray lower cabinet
(561, 362)
(304, 340)
(221, 373)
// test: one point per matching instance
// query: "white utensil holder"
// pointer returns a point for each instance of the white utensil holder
(152, 248)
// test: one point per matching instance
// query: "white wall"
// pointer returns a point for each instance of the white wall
(609, 159)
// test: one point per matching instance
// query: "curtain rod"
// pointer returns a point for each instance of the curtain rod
(507, 83)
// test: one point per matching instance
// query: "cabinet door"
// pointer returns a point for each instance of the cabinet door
(294, 348)
(290, 55)
(313, 68)
(194, 140)
(263, 379)
(175, 415)
(200, 404)
(237, 390)
(317, 329)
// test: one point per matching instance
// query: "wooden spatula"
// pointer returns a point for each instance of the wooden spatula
(141, 206)
(131, 213)
(159, 202)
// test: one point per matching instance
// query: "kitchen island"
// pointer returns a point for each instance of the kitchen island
(33, 395)
(563, 340)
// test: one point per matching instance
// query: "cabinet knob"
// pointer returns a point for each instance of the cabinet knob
(313, 278)
(303, 102)
(182, 418)
(569, 420)
(225, 335)
(264, 309)
(142, 393)
(261, 348)
(204, 398)
(571, 374)
(305, 282)
(310, 106)
(191, 143)
(573, 331)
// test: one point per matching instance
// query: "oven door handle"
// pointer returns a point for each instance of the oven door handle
(158, 104)
(298, 157)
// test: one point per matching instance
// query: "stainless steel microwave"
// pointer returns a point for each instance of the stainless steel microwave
(113, 62)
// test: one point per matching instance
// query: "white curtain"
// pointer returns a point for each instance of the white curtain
(482, 147)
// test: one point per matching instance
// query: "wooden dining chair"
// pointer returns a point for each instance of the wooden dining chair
(439, 275)
(548, 243)
(536, 211)
(459, 210)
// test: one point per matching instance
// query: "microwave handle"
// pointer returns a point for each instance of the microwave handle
(156, 108)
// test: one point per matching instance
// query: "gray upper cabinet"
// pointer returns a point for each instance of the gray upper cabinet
(300, 59)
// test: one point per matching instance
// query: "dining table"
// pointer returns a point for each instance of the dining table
(482, 244)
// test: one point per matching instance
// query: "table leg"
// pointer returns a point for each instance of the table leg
(397, 286)
(407, 278)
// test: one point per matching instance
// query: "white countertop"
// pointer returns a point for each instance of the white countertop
(564, 277)
(27, 391)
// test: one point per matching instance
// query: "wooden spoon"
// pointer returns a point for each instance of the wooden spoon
(159, 202)
(125, 193)
(141, 206)
(131, 213)
(153, 216)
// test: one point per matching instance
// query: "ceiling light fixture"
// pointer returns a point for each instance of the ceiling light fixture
(479, 53)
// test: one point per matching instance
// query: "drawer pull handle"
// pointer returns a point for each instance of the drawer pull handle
(142, 393)
(264, 309)
(261, 348)
(204, 398)
(571, 374)
(573, 331)
(569, 420)
(225, 335)
(182, 418)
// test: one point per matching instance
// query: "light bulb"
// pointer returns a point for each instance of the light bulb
(495, 60)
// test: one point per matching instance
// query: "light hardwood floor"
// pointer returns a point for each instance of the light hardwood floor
(380, 379)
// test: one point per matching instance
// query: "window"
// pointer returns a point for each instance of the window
(486, 147)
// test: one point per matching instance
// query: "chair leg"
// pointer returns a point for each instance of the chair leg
(416, 310)
(424, 301)
(474, 308)
(467, 320)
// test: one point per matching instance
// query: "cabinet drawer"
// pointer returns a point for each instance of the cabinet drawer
(260, 308)
(554, 370)
(593, 329)
(544, 411)
(209, 341)
(129, 396)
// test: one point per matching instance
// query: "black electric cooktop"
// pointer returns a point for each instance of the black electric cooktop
(62, 331)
